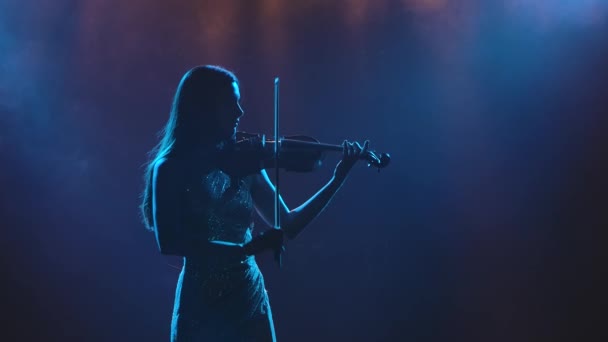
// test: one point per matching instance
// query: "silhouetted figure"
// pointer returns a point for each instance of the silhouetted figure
(203, 212)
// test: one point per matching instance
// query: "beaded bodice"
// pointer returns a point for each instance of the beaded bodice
(219, 206)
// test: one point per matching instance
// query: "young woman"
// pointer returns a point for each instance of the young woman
(201, 209)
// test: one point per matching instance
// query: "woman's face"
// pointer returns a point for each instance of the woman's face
(229, 112)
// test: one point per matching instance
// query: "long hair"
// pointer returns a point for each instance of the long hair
(190, 122)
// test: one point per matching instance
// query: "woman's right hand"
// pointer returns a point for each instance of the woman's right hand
(272, 239)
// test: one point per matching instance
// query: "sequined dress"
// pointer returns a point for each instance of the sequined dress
(220, 297)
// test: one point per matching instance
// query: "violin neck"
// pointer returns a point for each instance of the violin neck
(288, 143)
(378, 160)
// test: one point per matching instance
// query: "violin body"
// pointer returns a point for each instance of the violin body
(253, 152)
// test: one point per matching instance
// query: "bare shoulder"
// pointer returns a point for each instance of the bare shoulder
(167, 170)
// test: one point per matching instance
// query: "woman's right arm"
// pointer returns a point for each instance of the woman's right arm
(166, 213)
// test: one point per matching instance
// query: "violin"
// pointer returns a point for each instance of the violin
(252, 152)
(297, 153)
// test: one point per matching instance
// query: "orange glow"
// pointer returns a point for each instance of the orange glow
(214, 31)
(90, 24)
(219, 27)
(424, 5)
(274, 28)
(356, 12)
(272, 8)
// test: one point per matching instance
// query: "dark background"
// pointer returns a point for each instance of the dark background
(485, 227)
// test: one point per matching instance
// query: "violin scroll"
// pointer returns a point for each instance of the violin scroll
(379, 161)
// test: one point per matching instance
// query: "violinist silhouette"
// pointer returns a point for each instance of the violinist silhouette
(202, 190)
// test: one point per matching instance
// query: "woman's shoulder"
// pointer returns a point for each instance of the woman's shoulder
(168, 167)
(184, 169)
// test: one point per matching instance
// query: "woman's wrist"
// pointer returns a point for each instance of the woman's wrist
(337, 181)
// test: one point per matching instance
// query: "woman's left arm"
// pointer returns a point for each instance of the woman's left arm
(294, 221)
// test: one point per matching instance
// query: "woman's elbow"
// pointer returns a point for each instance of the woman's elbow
(290, 235)
(172, 249)
(168, 244)
(163, 245)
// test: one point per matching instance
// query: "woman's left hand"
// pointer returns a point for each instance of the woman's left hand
(352, 152)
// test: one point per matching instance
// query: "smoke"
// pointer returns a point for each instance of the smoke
(34, 133)
(41, 119)
(555, 14)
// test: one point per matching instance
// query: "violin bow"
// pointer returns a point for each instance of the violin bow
(277, 215)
